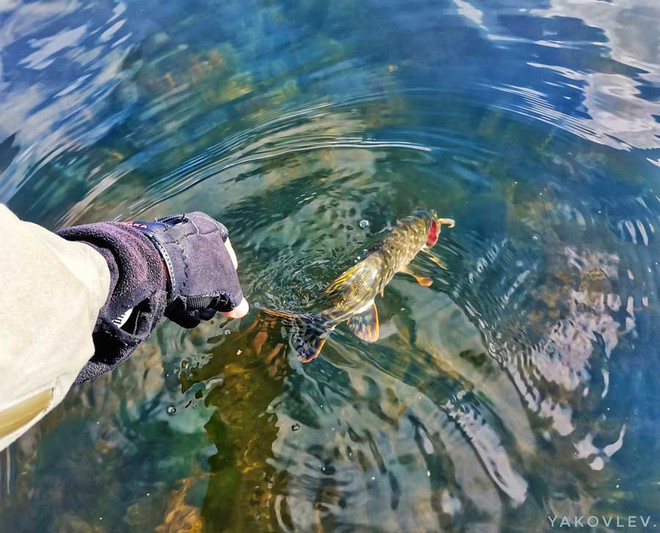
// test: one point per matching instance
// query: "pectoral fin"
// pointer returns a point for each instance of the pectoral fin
(365, 325)
(422, 280)
(435, 259)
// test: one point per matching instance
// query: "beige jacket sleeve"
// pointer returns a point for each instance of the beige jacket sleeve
(51, 292)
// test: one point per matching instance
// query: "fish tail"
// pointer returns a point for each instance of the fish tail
(308, 332)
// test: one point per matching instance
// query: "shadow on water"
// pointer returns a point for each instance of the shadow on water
(244, 374)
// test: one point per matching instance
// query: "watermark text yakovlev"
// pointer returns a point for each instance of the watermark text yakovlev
(612, 521)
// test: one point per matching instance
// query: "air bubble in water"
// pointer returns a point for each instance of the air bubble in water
(364, 223)
(171, 410)
(295, 427)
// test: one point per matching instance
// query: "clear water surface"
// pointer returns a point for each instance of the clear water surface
(523, 383)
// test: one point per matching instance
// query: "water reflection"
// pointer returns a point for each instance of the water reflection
(60, 65)
(611, 102)
(521, 384)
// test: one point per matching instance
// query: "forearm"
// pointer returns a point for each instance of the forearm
(75, 305)
(51, 294)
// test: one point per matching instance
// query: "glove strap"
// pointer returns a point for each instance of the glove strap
(148, 230)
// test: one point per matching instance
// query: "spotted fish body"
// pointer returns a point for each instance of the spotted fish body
(350, 298)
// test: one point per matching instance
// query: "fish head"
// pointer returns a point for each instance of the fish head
(428, 219)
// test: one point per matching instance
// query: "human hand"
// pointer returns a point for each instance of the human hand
(201, 267)
(182, 266)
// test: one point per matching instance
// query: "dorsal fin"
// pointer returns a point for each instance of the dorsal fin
(340, 283)
(365, 325)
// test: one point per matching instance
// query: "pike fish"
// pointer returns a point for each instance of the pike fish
(351, 297)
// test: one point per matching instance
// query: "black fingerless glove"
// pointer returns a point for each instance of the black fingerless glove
(177, 266)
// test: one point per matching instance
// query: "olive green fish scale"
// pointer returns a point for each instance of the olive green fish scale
(358, 287)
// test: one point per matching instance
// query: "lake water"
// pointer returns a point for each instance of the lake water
(524, 383)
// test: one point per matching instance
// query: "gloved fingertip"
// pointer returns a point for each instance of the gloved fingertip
(207, 314)
(185, 319)
(205, 220)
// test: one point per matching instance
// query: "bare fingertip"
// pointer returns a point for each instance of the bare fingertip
(232, 253)
(239, 311)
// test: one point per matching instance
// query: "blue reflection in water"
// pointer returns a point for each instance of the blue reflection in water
(522, 384)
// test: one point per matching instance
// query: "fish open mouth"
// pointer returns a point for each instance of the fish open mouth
(434, 233)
